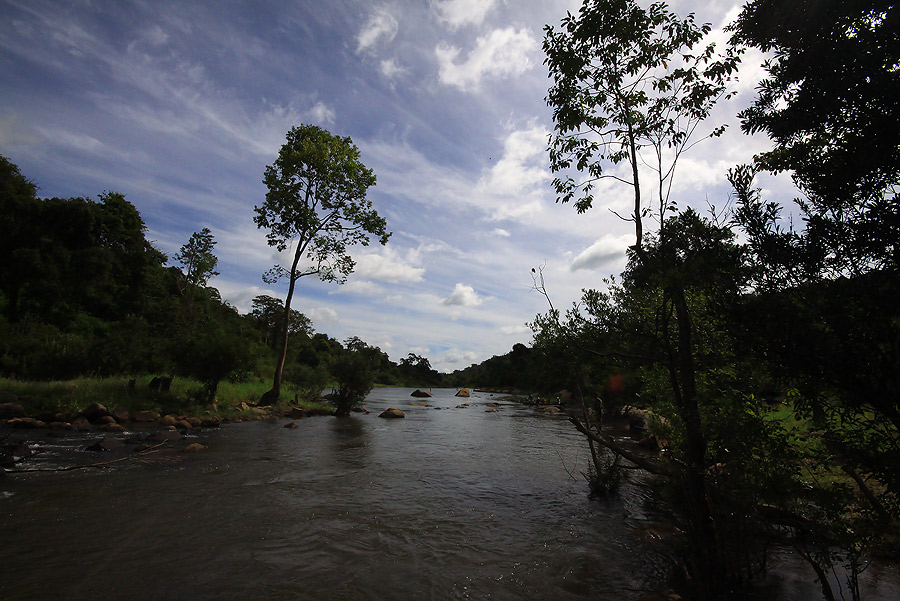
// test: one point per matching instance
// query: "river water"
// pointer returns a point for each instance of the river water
(448, 503)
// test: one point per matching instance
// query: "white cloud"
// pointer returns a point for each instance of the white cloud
(390, 69)
(464, 296)
(457, 13)
(605, 252)
(501, 232)
(523, 164)
(386, 265)
(381, 25)
(455, 356)
(322, 113)
(501, 53)
(512, 330)
(321, 315)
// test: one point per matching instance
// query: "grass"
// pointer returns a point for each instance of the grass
(185, 396)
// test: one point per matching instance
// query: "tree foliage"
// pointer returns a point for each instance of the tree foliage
(626, 78)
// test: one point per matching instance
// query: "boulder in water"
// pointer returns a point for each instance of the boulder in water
(463, 392)
(392, 412)
(419, 393)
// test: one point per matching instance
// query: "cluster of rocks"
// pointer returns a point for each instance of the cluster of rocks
(97, 417)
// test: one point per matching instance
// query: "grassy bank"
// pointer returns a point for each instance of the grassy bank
(184, 396)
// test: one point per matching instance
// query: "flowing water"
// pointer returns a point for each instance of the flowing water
(448, 503)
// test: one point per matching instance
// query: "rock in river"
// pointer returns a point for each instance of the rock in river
(393, 412)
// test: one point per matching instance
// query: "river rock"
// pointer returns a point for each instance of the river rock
(463, 392)
(392, 412)
(491, 411)
(194, 447)
(210, 422)
(547, 409)
(462, 405)
(106, 444)
(81, 424)
(121, 415)
(291, 425)
(167, 420)
(111, 427)
(94, 412)
(492, 404)
(144, 416)
(419, 393)
(26, 423)
(106, 419)
(183, 424)
(195, 422)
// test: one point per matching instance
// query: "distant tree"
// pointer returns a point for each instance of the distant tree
(268, 313)
(354, 380)
(198, 263)
(317, 207)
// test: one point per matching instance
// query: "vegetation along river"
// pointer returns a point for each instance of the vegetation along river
(448, 503)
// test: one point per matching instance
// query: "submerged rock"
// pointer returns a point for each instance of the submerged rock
(392, 412)
(193, 447)
(291, 425)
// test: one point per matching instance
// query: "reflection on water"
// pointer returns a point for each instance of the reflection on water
(445, 504)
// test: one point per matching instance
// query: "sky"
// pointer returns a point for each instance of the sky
(181, 105)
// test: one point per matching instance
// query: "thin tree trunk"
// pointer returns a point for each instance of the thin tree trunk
(706, 568)
(274, 394)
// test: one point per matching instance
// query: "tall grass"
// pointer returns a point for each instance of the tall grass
(184, 396)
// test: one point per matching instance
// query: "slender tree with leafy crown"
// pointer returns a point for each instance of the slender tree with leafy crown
(317, 207)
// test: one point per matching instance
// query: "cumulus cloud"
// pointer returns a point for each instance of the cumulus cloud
(321, 315)
(501, 53)
(498, 231)
(606, 251)
(512, 330)
(457, 13)
(464, 296)
(455, 356)
(388, 266)
(381, 26)
(522, 165)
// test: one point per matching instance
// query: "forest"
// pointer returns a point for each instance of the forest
(762, 351)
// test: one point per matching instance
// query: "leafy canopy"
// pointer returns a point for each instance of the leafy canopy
(624, 78)
(317, 200)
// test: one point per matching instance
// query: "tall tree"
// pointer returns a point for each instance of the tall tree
(317, 207)
(628, 80)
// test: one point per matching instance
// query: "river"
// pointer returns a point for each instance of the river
(448, 503)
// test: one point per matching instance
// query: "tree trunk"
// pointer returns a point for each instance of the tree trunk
(271, 397)
(705, 563)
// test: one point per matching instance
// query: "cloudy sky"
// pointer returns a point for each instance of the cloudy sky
(181, 105)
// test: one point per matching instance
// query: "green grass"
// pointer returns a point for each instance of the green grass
(184, 397)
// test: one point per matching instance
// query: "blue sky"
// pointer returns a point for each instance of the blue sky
(181, 105)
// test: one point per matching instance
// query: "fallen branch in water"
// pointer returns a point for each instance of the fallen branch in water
(652, 466)
(101, 464)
